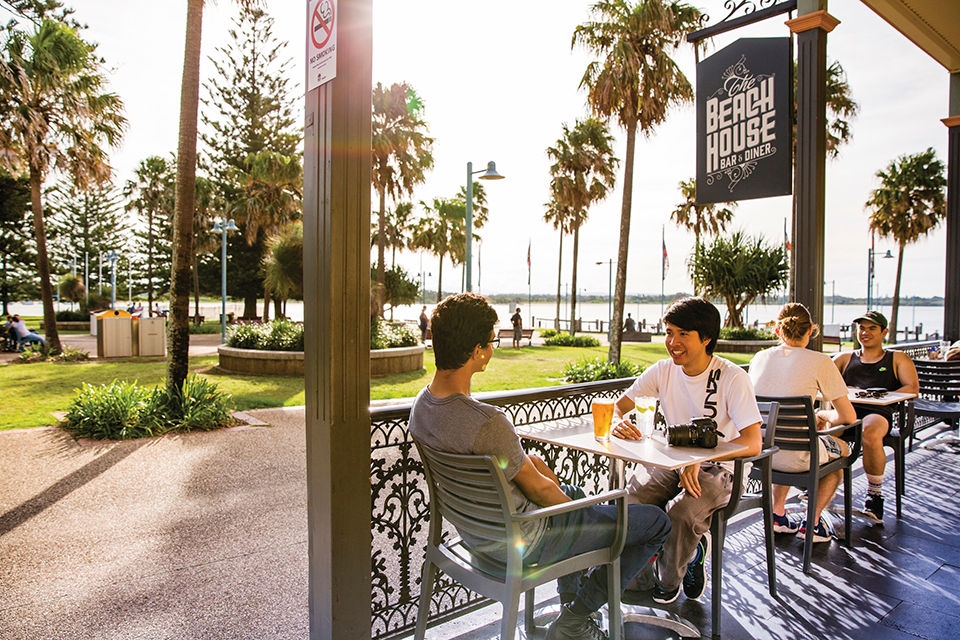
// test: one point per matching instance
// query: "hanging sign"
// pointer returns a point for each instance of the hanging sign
(321, 42)
(744, 132)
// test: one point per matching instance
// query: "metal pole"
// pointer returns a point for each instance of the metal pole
(223, 282)
(469, 226)
(610, 299)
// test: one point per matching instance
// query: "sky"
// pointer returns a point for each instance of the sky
(499, 79)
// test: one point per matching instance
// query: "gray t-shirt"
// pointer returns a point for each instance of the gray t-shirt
(461, 424)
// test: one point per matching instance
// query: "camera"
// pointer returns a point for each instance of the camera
(700, 432)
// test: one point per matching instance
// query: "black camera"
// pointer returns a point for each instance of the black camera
(700, 432)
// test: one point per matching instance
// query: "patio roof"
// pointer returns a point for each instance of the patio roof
(932, 25)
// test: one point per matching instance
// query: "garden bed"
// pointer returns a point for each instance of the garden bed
(290, 363)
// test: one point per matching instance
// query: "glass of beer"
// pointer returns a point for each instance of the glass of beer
(602, 409)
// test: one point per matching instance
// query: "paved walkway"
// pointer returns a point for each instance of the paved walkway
(200, 344)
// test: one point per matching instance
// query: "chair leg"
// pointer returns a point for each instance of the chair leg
(768, 536)
(426, 594)
(899, 458)
(528, 622)
(812, 495)
(848, 507)
(508, 624)
(613, 596)
(718, 531)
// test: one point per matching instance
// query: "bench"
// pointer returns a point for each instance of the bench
(507, 334)
(831, 335)
(939, 399)
(635, 336)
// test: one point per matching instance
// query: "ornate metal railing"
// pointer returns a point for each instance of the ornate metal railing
(400, 508)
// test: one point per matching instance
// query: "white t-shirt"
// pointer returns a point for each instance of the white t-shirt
(722, 392)
(796, 371)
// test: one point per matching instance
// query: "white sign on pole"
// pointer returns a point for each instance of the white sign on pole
(321, 42)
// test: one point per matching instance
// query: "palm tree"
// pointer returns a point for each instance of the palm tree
(283, 263)
(637, 81)
(583, 171)
(701, 219)
(559, 216)
(909, 203)
(402, 152)
(150, 194)
(442, 233)
(204, 241)
(55, 113)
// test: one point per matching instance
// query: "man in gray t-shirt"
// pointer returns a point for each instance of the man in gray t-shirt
(447, 418)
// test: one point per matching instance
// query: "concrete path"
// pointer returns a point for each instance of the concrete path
(200, 344)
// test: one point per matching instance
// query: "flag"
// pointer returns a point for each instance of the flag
(666, 261)
(786, 240)
(529, 242)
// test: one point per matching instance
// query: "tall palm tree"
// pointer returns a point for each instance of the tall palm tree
(205, 242)
(283, 263)
(583, 172)
(402, 152)
(559, 216)
(441, 232)
(638, 82)
(909, 203)
(55, 113)
(702, 219)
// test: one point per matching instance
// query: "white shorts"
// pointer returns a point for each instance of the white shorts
(797, 461)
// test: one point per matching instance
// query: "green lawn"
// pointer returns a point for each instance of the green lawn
(33, 392)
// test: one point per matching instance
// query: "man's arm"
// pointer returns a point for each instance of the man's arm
(906, 373)
(539, 488)
(841, 360)
(749, 436)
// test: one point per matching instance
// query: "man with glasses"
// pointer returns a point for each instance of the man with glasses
(873, 367)
(447, 418)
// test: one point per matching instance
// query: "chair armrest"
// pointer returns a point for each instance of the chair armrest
(766, 453)
(840, 428)
(573, 505)
(738, 465)
(857, 427)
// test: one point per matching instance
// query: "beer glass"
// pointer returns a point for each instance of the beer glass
(602, 409)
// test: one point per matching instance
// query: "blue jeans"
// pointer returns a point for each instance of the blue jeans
(576, 532)
(31, 337)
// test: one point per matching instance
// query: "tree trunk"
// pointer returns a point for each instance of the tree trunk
(178, 329)
(573, 280)
(556, 320)
(440, 279)
(196, 286)
(381, 248)
(52, 336)
(619, 294)
(895, 303)
(266, 304)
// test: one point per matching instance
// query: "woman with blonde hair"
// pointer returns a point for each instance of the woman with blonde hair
(790, 369)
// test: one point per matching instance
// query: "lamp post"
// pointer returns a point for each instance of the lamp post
(489, 174)
(609, 296)
(872, 270)
(222, 227)
(112, 257)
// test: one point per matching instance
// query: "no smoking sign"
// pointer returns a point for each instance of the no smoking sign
(321, 42)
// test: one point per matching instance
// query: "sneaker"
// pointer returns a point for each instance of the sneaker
(695, 580)
(873, 509)
(821, 533)
(663, 596)
(785, 524)
(570, 626)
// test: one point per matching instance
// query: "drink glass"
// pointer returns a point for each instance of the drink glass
(647, 408)
(602, 409)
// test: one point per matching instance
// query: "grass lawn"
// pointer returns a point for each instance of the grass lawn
(33, 392)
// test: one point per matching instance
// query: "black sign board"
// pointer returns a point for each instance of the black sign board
(744, 132)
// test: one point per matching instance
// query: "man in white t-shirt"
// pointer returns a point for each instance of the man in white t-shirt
(691, 383)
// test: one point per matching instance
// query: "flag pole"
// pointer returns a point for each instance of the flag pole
(529, 290)
(663, 265)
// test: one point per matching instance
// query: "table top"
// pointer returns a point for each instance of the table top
(891, 397)
(653, 451)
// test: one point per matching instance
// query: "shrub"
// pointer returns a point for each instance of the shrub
(745, 333)
(564, 339)
(123, 410)
(72, 316)
(278, 335)
(547, 333)
(587, 370)
(35, 354)
(386, 335)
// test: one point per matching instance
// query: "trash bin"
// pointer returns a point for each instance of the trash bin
(114, 331)
(149, 337)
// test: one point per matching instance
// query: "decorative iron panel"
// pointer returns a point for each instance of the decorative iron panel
(400, 509)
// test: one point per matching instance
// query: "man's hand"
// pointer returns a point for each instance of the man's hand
(626, 430)
(690, 479)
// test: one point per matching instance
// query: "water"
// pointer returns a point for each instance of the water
(591, 314)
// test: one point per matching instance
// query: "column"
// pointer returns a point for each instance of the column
(951, 295)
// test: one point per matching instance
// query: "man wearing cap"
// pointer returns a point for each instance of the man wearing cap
(874, 366)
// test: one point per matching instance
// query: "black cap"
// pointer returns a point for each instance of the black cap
(875, 317)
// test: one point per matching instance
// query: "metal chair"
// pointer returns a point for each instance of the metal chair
(471, 493)
(901, 431)
(757, 496)
(796, 430)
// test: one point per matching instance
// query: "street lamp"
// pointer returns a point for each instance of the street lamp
(112, 257)
(609, 296)
(222, 227)
(872, 270)
(489, 174)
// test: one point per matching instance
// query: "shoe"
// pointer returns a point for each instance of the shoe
(570, 626)
(785, 524)
(873, 509)
(695, 580)
(662, 596)
(821, 533)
